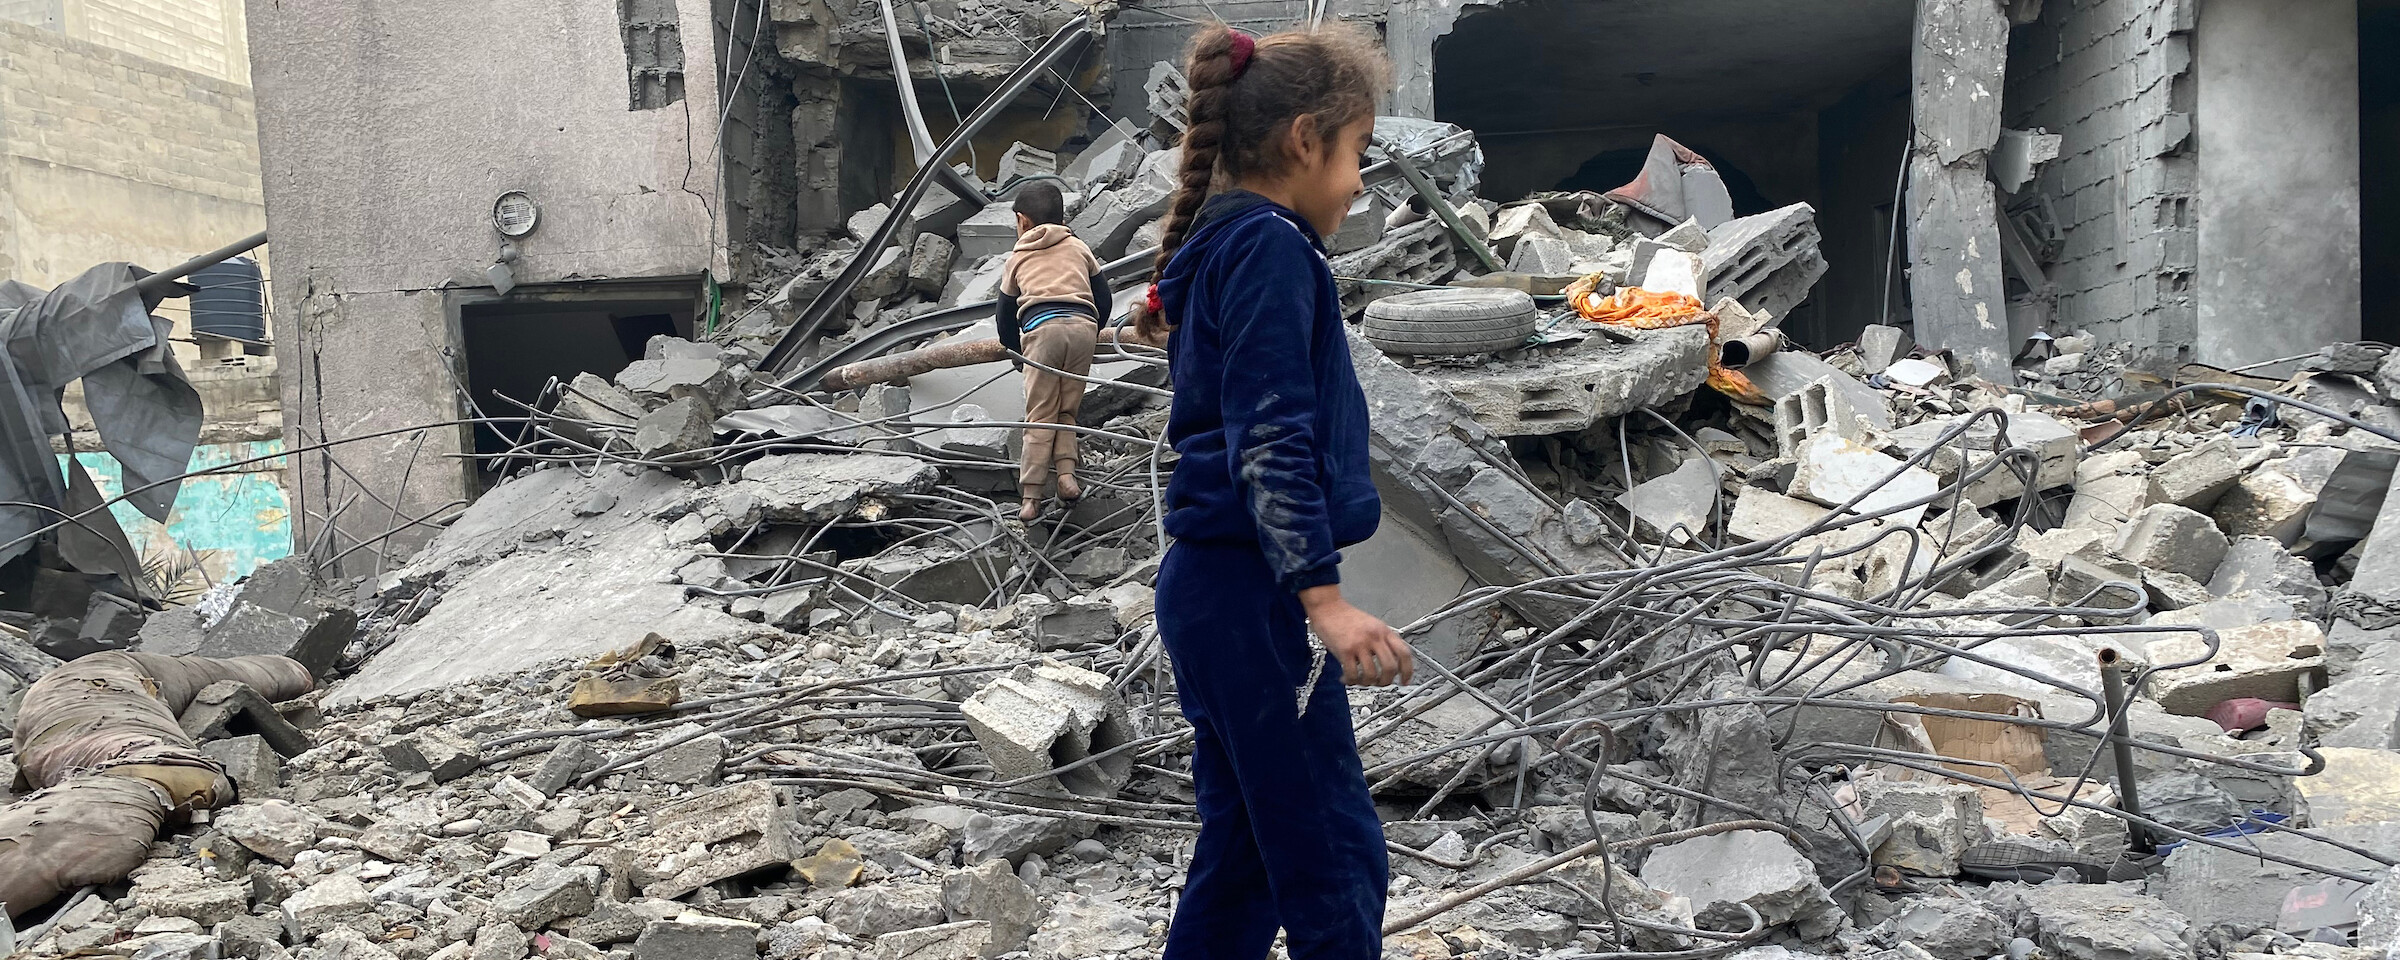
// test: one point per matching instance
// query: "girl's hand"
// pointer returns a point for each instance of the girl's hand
(1371, 652)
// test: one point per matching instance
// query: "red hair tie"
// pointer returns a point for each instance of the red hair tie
(1151, 300)
(1243, 47)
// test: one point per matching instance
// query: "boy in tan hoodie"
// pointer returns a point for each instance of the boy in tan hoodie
(1052, 299)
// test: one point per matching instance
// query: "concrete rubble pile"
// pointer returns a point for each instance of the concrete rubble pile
(729, 671)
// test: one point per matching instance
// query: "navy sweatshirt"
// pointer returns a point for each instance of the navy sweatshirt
(1268, 417)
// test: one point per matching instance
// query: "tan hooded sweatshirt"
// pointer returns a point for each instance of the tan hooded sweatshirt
(1049, 265)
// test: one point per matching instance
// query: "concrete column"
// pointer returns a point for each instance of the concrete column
(1955, 292)
(2277, 130)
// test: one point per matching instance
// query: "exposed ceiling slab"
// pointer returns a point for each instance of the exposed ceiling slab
(1534, 65)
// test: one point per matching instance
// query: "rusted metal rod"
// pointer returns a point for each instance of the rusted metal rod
(2120, 739)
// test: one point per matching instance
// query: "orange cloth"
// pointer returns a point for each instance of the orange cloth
(1658, 309)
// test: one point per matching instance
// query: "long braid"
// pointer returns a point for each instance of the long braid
(1208, 70)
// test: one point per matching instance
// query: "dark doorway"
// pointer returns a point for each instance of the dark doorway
(515, 346)
(2379, 156)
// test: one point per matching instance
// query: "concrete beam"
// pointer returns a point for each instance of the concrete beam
(1955, 291)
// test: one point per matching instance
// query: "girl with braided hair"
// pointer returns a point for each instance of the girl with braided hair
(1272, 483)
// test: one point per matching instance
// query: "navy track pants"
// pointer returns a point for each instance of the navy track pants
(1288, 834)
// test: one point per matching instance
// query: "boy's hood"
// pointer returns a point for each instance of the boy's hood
(1219, 216)
(1043, 236)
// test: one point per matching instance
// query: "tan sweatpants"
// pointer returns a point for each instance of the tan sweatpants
(1063, 343)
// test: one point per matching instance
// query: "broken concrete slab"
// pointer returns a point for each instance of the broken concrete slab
(681, 426)
(1569, 392)
(2100, 921)
(1772, 878)
(2238, 887)
(1675, 506)
(2266, 661)
(1819, 406)
(746, 828)
(624, 591)
(2357, 712)
(1932, 823)
(1833, 471)
(818, 487)
(1051, 715)
(252, 630)
(2359, 787)
(2262, 564)
(2276, 499)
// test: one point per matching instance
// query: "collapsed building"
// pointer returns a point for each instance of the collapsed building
(657, 603)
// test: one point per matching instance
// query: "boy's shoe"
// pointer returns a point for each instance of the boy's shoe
(1068, 489)
(1031, 511)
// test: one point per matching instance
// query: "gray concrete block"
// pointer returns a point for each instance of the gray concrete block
(1569, 392)
(2262, 563)
(249, 762)
(929, 263)
(2175, 539)
(699, 761)
(1751, 867)
(1025, 160)
(989, 233)
(2196, 478)
(1767, 262)
(1044, 716)
(249, 630)
(447, 757)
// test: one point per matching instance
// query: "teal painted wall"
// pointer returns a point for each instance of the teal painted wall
(224, 524)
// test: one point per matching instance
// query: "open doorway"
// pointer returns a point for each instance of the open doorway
(2378, 156)
(514, 346)
(1793, 103)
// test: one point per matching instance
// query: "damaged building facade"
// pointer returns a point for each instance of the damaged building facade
(1814, 544)
(2179, 180)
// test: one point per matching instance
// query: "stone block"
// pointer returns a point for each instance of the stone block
(887, 274)
(230, 708)
(1024, 160)
(1048, 715)
(964, 940)
(991, 892)
(1768, 262)
(1542, 257)
(572, 758)
(988, 233)
(1786, 372)
(1933, 823)
(179, 891)
(252, 765)
(548, 894)
(2175, 539)
(2266, 661)
(431, 750)
(862, 224)
(1013, 837)
(1880, 345)
(1948, 928)
(1107, 162)
(2107, 501)
(252, 630)
(703, 380)
(929, 263)
(1752, 867)
(2262, 564)
(745, 828)
(1520, 220)
(2275, 499)
(2111, 921)
(680, 426)
(2057, 452)
(273, 829)
(1074, 622)
(1819, 406)
(1675, 507)
(699, 761)
(2197, 478)
(2359, 787)
(1766, 515)
(326, 904)
(1080, 927)
(696, 937)
(2357, 712)
(874, 911)
(1833, 471)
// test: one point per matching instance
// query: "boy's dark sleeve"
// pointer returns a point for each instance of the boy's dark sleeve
(1269, 404)
(1101, 305)
(1004, 316)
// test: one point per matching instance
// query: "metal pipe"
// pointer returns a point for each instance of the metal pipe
(162, 283)
(2120, 738)
(1736, 354)
(1069, 39)
(919, 136)
(1441, 207)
